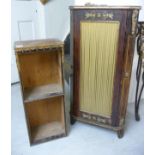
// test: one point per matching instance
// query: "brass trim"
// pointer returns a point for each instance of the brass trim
(134, 21)
(99, 124)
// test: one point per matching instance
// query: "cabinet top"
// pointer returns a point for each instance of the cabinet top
(37, 44)
(93, 6)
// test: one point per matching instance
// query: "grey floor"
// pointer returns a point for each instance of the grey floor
(83, 139)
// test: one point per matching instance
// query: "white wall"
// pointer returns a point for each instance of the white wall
(33, 12)
(41, 19)
(57, 24)
(57, 18)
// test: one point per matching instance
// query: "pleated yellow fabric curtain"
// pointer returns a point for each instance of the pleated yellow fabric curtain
(97, 66)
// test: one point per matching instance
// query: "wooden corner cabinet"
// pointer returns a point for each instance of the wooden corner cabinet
(41, 76)
(102, 48)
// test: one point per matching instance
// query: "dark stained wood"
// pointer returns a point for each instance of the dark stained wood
(120, 133)
(93, 6)
(125, 68)
(127, 74)
(118, 70)
(76, 63)
(124, 59)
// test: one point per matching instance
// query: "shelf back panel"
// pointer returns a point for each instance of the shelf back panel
(97, 66)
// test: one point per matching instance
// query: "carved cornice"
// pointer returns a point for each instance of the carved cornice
(94, 6)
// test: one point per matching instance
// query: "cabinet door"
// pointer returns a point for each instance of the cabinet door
(99, 38)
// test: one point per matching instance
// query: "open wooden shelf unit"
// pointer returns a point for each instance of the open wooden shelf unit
(41, 75)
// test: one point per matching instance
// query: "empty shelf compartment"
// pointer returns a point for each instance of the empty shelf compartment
(47, 131)
(46, 119)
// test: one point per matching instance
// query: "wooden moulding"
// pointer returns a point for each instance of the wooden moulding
(93, 6)
(103, 125)
(40, 66)
(35, 45)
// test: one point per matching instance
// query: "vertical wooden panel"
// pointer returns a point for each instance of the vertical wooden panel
(97, 66)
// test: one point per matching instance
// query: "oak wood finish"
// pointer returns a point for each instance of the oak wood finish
(127, 17)
(40, 66)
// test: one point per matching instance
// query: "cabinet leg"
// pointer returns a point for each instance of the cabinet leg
(72, 120)
(137, 117)
(120, 133)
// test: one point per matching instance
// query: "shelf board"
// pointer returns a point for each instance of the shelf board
(47, 131)
(42, 92)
